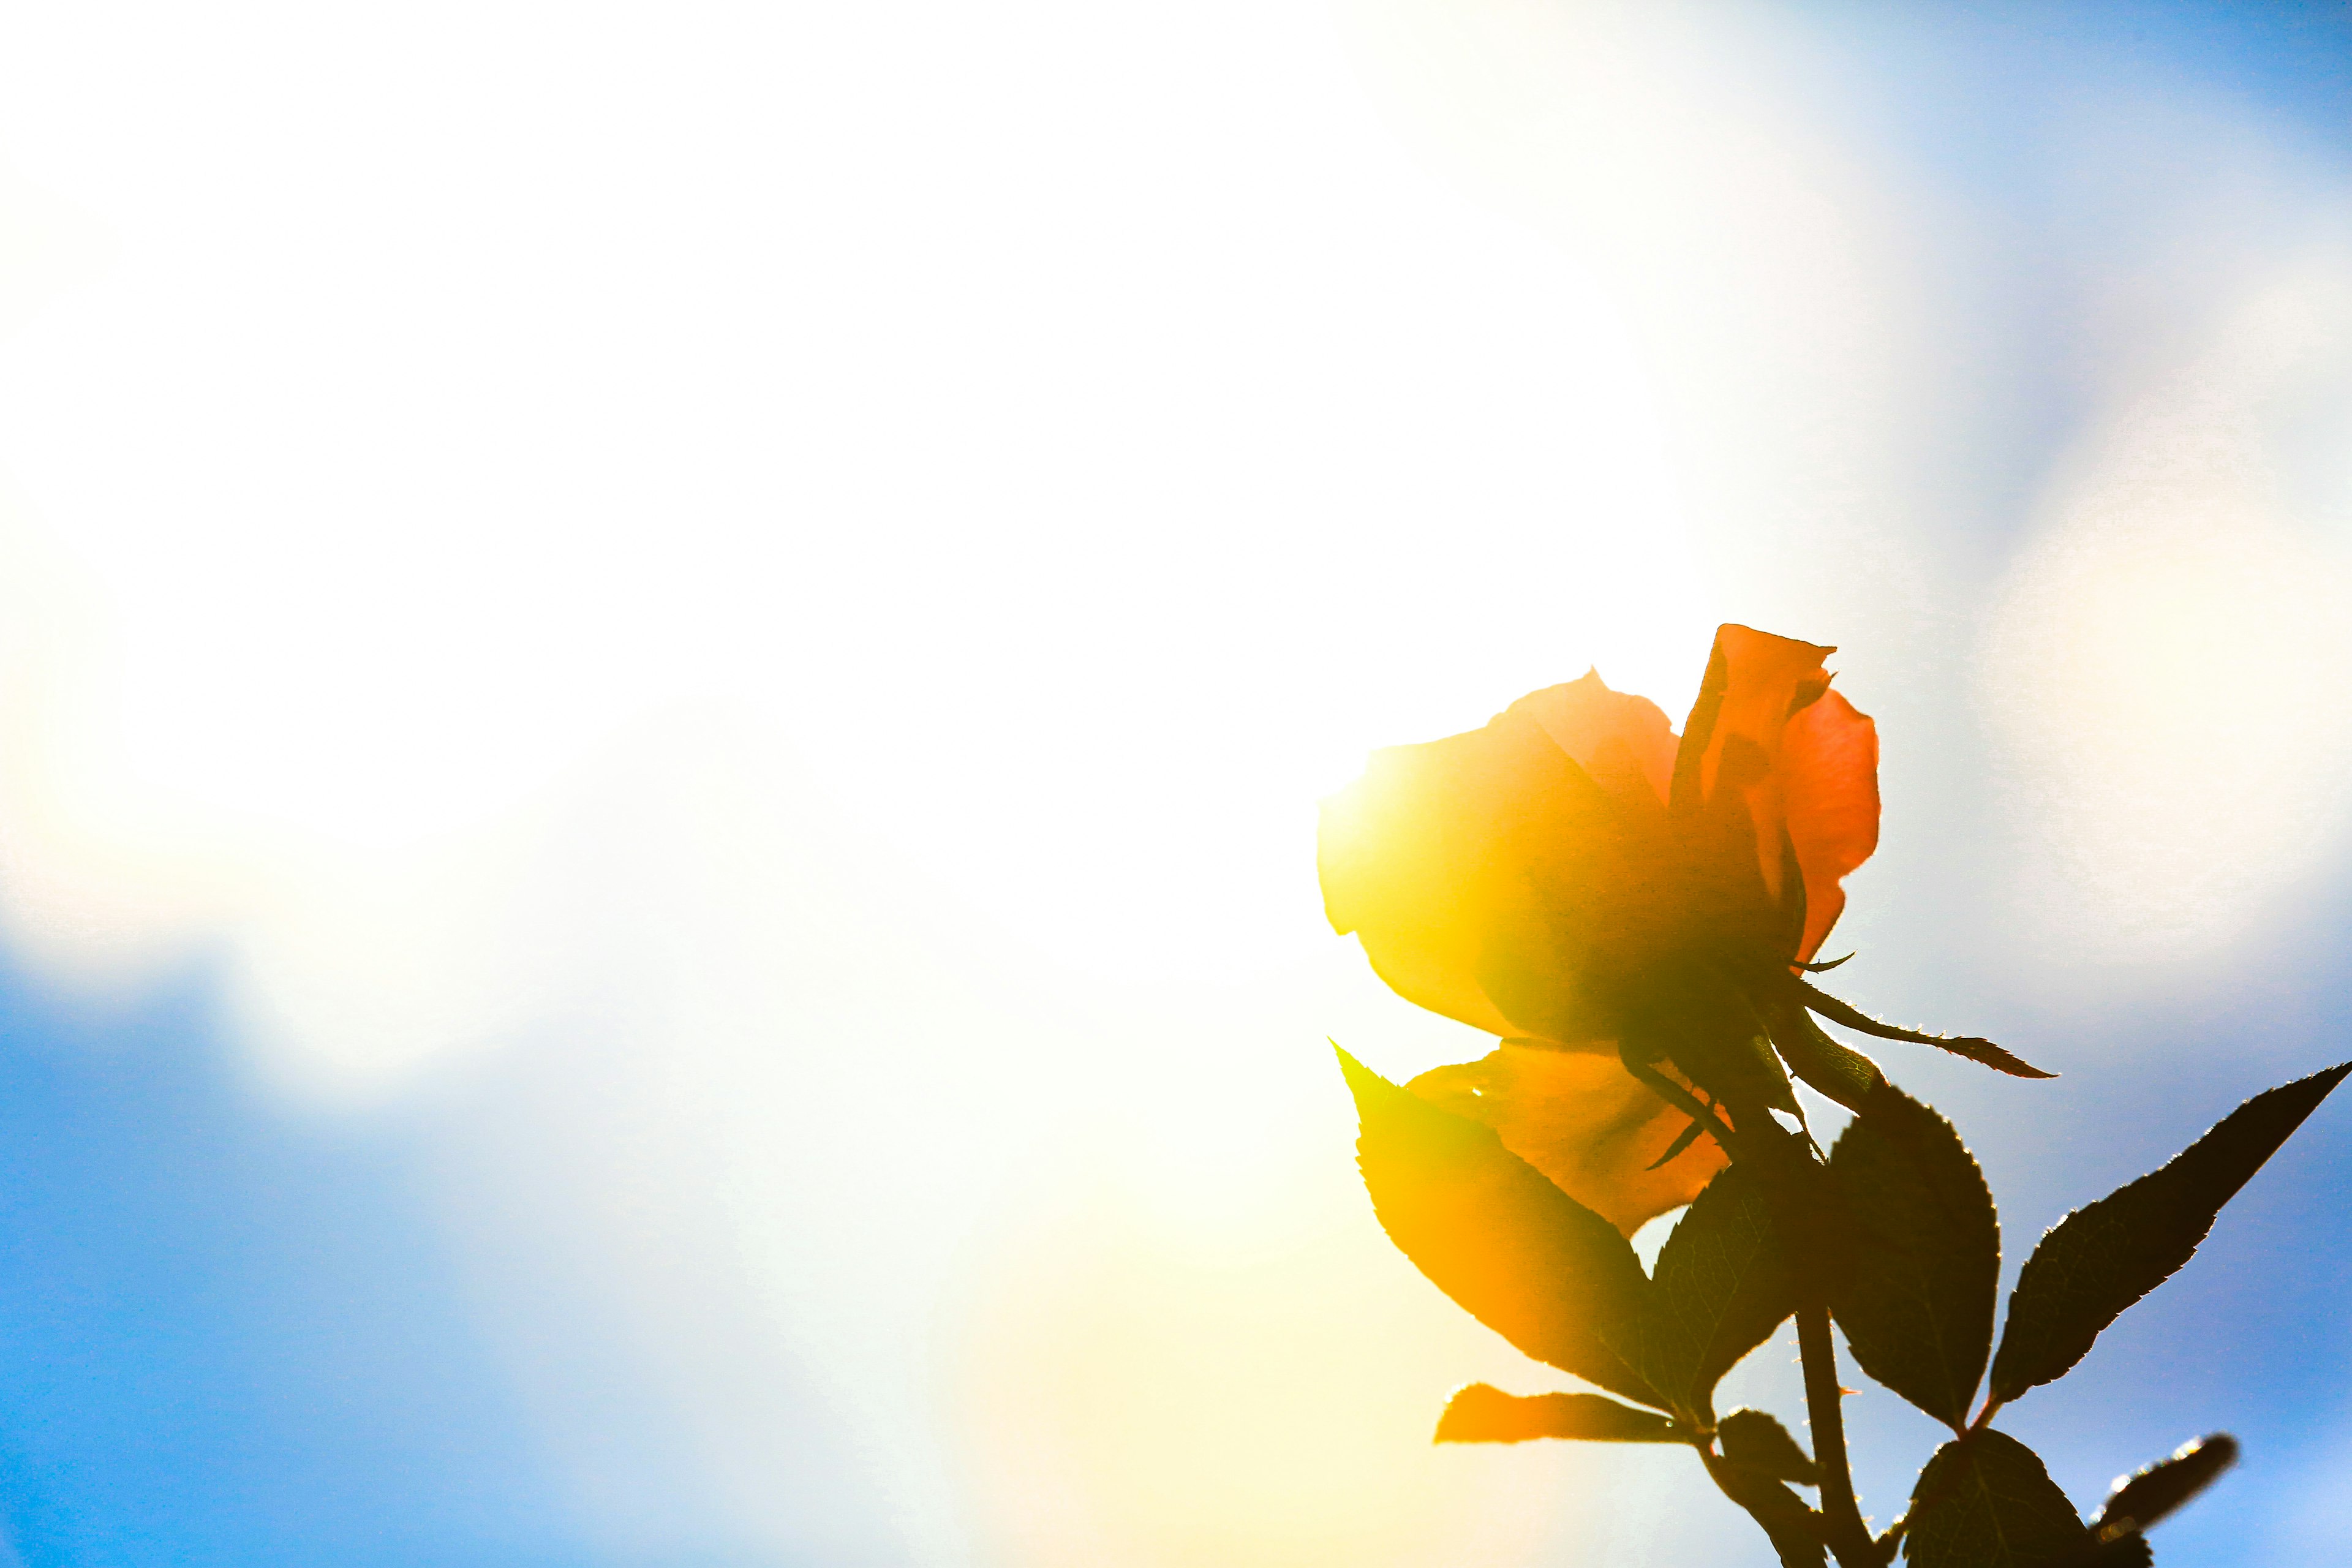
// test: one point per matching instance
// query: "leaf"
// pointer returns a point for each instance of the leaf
(1722, 1284)
(2103, 1258)
(1985, 1502)
(1755, 1441)
(1484, 1414)
(2140, 1500)
(1493, 1232)
(1915, 1297)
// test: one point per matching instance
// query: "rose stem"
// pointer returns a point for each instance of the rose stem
(1849, 1537)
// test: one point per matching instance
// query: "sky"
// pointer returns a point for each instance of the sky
(664, 673)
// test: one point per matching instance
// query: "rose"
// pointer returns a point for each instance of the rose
(1631, 914)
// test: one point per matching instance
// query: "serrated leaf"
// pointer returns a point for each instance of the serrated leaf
(1484, 1414)
(1985, 1502)
(1916, 1296)
(1493, 1233)
(1721, 1286)
(2101, 1258)
(2139, 1500)
(1754, 1441)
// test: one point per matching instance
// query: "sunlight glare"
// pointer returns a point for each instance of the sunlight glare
(1079, 543)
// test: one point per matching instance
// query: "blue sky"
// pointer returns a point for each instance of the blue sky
(665, 680)
(230, 1339)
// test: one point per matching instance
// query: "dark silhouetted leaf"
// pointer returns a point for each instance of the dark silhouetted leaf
(1755, 1441)
(1985, 1502)
(1493, 1233)
(1722, 1284)
(1915, 1297)
(1484, 1414)
(2103, 1258)
(1968, 1046)
(1793, 1528)
(2140, 1500)
(2125, 1552)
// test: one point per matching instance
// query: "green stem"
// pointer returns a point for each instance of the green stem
(1848, 1536)
(1794, 1529)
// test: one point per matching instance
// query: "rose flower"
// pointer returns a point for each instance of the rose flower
(1630, 913)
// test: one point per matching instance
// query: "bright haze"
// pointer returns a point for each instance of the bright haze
(664, 670)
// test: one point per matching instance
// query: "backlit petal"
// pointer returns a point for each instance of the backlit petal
(1730, 790)
(1483, 872)
(1623, 742)
(1583, 1121)
(1829, 785)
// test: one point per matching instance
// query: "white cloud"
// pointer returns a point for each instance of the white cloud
(2167, 667)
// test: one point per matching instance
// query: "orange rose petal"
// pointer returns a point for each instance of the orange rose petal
(1583, 1121)
(1755, 680)
(1459, 859)
(1732, 765)
(1406, 866)
(1623, 742)
(1828, 774)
